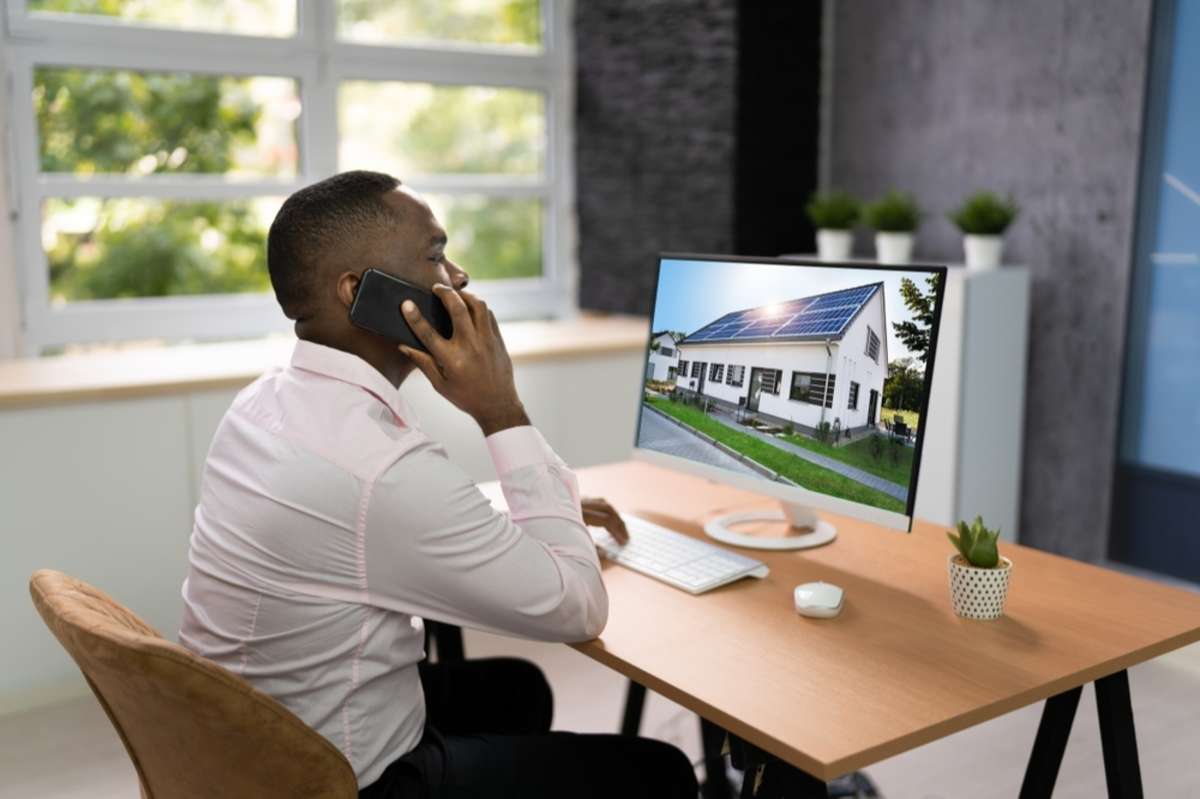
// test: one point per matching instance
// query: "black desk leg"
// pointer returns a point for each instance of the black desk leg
(782, 781)
(1049, 745)
(635, 699)
(1117, 737)
(447, 640)
(716, 781)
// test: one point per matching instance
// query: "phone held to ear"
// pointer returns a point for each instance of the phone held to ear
(376, 308)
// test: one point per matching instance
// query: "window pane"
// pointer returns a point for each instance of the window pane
(108, 248)
(410, 128)
(494, 22)
(257, 17)
(106, 121)
(492, 238)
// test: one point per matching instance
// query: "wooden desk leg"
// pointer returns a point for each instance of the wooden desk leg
(1117, 737)
(1049, 745)
(635, 699)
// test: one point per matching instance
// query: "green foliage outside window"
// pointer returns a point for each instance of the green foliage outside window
(106, 121)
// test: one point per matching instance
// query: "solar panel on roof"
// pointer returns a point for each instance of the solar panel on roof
(820, 315)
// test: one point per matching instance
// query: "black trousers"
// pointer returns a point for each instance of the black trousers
(487, 735)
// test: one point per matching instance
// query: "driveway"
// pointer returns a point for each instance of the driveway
(658, 434)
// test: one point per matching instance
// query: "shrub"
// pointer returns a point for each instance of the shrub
(984, 214)
(833, 210)
(894, 213)
(789, 429)
(876, 446)
(823, 432)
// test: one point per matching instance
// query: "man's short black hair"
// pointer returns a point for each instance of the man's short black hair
(316, 220)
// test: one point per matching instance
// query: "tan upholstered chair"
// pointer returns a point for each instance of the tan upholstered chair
(192, 729)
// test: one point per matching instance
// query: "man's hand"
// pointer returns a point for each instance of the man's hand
(471, 368)
(598, 513)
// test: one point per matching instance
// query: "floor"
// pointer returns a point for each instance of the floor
(69, 752)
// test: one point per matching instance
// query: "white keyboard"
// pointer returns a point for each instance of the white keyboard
(674, 558)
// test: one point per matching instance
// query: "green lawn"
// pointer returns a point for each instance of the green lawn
(858, 454)
(797, 469)
(910, 417)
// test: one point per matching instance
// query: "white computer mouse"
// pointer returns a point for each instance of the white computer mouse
(819, 600)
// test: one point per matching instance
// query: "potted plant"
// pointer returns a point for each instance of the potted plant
(894, 218)
(834, 214)
(978, 573)
(983, 217)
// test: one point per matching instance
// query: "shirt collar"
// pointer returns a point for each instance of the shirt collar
(348, 368)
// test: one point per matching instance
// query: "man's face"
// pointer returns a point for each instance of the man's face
(415, 248)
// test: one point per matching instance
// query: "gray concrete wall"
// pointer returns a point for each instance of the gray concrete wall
(655, 133)
(1043, 99)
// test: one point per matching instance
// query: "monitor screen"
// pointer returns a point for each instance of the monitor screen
(805, 374)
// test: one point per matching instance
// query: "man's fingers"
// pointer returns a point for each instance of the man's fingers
(478, 309)
(424, 331)
(455, 305)
(426, 364)
(599, 513)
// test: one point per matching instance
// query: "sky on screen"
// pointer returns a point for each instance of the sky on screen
(693, 293)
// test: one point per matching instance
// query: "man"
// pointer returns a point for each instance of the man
(329, 526)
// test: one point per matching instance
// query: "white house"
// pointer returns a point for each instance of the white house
(663, 362)
(805, 361)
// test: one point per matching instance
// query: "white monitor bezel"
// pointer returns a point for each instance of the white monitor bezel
(796, 495)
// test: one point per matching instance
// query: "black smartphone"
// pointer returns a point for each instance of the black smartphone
(376, 307)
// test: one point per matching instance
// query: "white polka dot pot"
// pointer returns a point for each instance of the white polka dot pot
(978, 593)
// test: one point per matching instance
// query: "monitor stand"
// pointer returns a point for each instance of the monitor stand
(808, 530)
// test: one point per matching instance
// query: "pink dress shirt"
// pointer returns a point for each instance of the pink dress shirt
(329, 525)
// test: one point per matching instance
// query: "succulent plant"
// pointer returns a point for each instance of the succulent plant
(976, 543)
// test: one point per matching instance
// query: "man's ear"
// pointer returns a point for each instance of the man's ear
(347, 287)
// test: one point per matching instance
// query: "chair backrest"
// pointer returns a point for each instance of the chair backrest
(191, 728)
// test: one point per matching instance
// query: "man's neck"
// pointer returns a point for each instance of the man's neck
(381, 355)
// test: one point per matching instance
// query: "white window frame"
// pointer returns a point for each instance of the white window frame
(320, 62)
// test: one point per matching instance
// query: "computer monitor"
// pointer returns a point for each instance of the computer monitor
(804, 380)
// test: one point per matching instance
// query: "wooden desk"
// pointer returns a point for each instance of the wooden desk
(897, 668)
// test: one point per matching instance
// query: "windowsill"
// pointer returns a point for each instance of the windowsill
(201, 367)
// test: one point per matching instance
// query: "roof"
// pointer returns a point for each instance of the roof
(662, 333)
(815, 318)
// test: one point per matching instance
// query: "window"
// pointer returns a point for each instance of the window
(852, 403)
(872, 345)
(735, 375)
(154, 142)
(666, 352)
(683, 368)
(697, 369)
(716, 372)
(771, 378)
(812, 387)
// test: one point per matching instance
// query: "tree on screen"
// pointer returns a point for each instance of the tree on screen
(915, 333)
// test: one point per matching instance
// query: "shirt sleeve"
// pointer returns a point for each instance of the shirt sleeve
(436, 547)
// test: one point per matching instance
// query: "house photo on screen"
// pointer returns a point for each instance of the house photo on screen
(808, 374)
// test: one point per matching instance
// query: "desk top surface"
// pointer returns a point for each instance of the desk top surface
(897, 668)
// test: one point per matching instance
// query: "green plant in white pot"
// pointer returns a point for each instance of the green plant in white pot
(834, 214)
(983, 217)
(978, 572)
(895, 218)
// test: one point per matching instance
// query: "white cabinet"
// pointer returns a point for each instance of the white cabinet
(971, 462)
